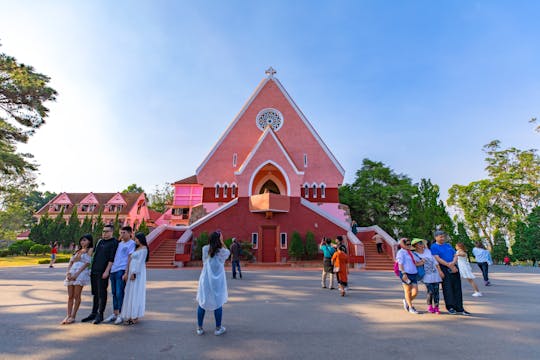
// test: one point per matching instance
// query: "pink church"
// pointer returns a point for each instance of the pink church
(269, 175)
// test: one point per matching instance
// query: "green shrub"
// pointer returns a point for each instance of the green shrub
(200, 242)
(246, 251)
(4, 253)
(296, 247)
(311, 246)
(228, 243)
(58, 260)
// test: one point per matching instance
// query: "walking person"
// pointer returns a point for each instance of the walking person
(102, 261)
(378, 242)
(78, 276)
(451, 282)
(340, 261)
(135, 277)
(212, 291)
(483, 260)
(328, 251)
(54, 252)
(236, 251)
(408, 274)
(465, 268)
(126, 246)
(433, 274)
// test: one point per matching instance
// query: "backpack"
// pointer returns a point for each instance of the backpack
(396, 269)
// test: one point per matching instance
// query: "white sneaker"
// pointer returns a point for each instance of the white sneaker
(118, 320)
(477, 293)
(200, 331)
(110, 318)
(412, 310)
(220, 331)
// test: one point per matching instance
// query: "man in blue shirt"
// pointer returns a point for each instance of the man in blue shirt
(328, 250)
(445, 255)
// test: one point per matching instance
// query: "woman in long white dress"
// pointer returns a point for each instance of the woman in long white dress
(212, 292)
(465, 268)
(77, 276)
(135, 278)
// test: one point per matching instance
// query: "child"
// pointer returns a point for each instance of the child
(340, 261)
(433, 274)
(78, 275)
(465, 268)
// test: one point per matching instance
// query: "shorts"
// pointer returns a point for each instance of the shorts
(412, 278)
(53, 256)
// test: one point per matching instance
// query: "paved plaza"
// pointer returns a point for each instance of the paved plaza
(274, 314)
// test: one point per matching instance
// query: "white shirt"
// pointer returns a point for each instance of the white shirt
(406, 260)
(482, 255)
(212, 292)
(125, 248)
(432, 274)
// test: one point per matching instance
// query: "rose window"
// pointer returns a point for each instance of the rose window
(269, 117)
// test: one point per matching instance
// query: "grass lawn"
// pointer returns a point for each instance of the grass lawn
(26, 260)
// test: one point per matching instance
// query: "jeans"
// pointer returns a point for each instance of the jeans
(99, 291)
(484, 268)
(117, 288)
(432, 293)
(236, 265)
(218, 314)
(453, 298)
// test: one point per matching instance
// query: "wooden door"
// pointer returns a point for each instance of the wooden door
(269, 243)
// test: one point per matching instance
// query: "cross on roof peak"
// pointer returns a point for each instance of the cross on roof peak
(270, 72)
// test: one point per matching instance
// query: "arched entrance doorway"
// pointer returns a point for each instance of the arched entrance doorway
(269, 178)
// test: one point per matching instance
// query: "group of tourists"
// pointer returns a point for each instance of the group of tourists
(123, 262)
(335, 264)
(438, 264)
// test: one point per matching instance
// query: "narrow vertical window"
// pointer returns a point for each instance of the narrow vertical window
(314, 190)
(234, 159)
(225, 190)
(217, 191)
(305, 160)
(254, 240)
(323, 191)
(306, 190)
(283, 240)
(233, 190)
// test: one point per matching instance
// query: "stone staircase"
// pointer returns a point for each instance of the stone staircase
(163, 256)
(376, 261)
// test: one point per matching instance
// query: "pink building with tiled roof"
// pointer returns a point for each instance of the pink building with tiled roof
(130, 207)
(268, 175)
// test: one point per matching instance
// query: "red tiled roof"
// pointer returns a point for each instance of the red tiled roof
(130, 198)
(189, 180)
(154, 215)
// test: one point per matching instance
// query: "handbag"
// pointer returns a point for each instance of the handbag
(420, 268)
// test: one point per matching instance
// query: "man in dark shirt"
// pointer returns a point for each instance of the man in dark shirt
(236, 250)
(102, 261)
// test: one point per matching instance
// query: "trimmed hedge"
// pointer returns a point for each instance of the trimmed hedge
(59, 260)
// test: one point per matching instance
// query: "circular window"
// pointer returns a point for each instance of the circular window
(269, 117)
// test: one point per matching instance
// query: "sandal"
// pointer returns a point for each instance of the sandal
(65, 321)
(70, 320)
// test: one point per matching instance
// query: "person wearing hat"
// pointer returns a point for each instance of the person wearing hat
(433, 274)
(444, 253)
(408, 273)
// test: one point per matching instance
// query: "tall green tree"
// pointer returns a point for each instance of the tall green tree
(57, 228)
(72, 229)
(527, 241)
(23, 94)
(98, 227)
(426, 212)
(143, 227)
(500, 250)
(133, 188)
(39, 233)
(499, 202)
(379, 196)
(161, 197)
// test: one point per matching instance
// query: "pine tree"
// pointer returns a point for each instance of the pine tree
(86, 227)
(56, 229)
(143, 228)
(296, 248)
(98, 227)
(500, 250)
(311, 246)
(116, 225)
(73, 228)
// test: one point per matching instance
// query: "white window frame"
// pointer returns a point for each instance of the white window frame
(254, 240)
(306, 190)
(216, 194)
(305, 161)
(323, 190)
(233, 190)
(314, 188)
(234, 159)
(225, 189)
(283, 236)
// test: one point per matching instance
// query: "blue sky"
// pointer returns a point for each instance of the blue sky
(147, 87)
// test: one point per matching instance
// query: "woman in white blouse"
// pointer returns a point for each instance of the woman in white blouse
(212, 291)
(135, 277)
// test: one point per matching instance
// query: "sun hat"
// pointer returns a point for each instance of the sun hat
(417, 240)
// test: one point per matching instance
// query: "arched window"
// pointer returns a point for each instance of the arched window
(233, 191)
(306, 190)
(314, 187)
(217, 191)
(225, 190)
(323, 191)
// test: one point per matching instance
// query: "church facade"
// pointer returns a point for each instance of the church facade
(269, 175)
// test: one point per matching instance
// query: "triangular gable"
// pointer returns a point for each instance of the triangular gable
(117, 199)
(63, 199)
(268, 133)
(296, 109)
(89, 199)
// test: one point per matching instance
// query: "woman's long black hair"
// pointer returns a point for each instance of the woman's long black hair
(142, 239)
(90, 238)
(215, 243)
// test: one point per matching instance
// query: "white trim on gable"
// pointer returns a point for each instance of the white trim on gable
(217, 211)
(258, 145)
(324, 214)
(256, 171)
(231, 125)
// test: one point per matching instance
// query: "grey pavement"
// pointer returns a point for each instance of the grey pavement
(274, 314)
